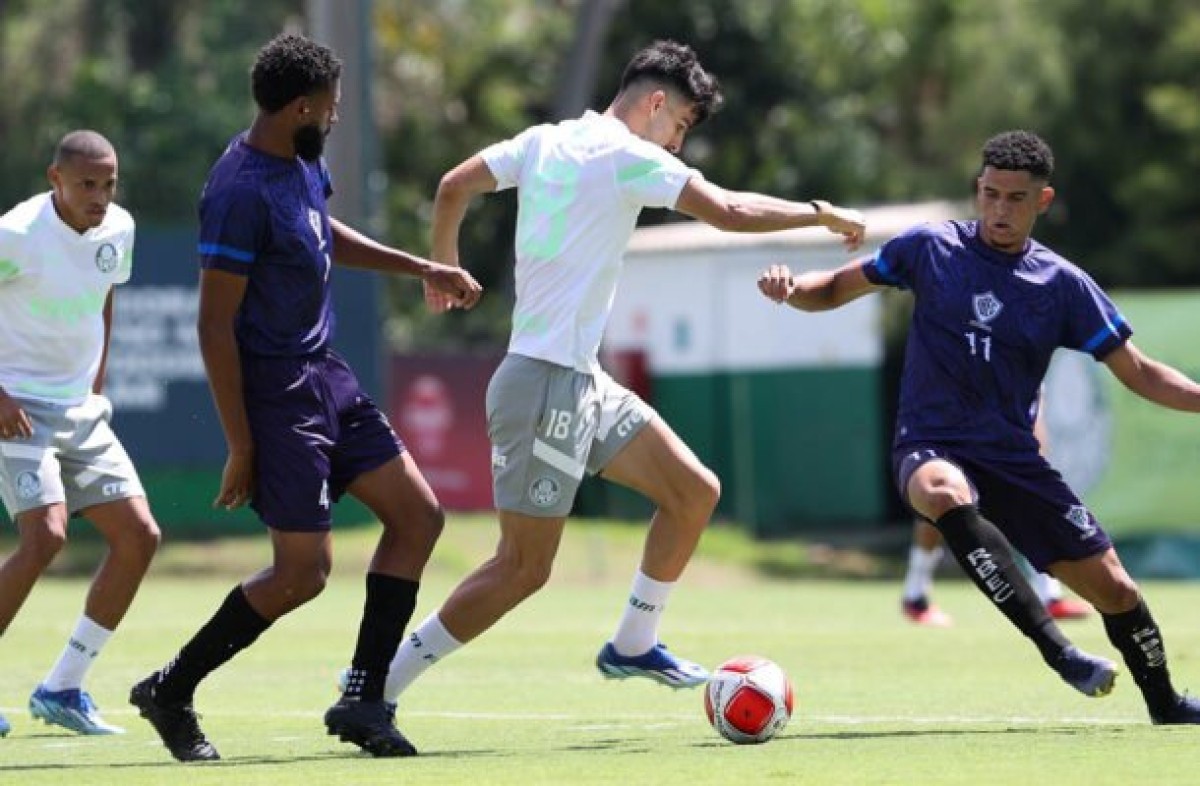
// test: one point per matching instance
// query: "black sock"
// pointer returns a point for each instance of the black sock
(234, 627)
(386, 613)
(1136, 635)
(986, 556)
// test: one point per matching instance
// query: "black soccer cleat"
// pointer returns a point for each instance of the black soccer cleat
(177, 724)
(1185, 710)
(371, 725)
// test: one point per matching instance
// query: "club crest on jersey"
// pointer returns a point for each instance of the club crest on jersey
(106, 258)
(314, 221)
(1078, 515)
(986, 307)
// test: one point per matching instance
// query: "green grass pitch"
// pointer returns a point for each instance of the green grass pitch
(878, 701)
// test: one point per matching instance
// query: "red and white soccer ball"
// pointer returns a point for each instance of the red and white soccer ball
(748, 699)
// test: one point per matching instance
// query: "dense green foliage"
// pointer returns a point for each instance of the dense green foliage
(858, 101)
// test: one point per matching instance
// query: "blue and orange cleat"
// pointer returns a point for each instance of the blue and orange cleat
(658, 664)
(72, 709)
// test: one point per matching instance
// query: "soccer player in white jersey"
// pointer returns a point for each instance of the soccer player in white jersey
(61, 253)
(553, 414)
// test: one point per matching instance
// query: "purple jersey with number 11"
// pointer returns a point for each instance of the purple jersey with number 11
(984, 326)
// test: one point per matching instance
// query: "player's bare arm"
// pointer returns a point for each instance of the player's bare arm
(817, 290)
(454, 194)
(98, 382)
(1153, 380)
(351, 248)
(221, 296)
(746, 211)
(14, 423)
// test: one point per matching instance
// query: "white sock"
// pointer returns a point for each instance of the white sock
(921, 564)
(1047, 587)
(637, 632)
(76, 658)
(428, 643)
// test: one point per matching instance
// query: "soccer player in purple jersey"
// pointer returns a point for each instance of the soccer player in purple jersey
(991, 307)
(300, 430)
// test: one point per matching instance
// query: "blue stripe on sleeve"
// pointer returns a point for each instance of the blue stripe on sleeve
(1103, 334)
(882, 268)
(216, 249)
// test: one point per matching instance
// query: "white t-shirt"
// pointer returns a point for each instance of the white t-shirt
(581, 184)
(53, 285)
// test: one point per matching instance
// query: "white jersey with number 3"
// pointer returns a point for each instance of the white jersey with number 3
(580, 184)
(53, 285)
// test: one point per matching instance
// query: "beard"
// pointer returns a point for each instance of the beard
(309, 141)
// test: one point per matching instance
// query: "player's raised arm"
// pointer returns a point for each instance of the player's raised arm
(816, 290)
(351, 248)
(1153, 380)
(746, 211)
(454, 194)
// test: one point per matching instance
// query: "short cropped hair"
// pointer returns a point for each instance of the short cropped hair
(83, 143)
(1019, 151)
(289, 66)
(676, 66)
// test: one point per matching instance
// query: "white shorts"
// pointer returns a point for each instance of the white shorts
(549, 424)
(72, 457)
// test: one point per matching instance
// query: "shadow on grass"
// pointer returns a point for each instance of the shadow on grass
(932, 733)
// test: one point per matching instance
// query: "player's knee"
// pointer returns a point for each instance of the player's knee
(709, 489)
(309, 586)
(696, 498)
(141, 539)
(432, 523)
(527, 576)
(1118, 595)
(43, 541)
(938, 501)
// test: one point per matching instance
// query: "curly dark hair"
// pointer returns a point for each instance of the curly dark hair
(676, 66)
(1020, 151)
(289, 66)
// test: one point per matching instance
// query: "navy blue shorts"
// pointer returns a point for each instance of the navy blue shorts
(315, 431)
(1023, 496)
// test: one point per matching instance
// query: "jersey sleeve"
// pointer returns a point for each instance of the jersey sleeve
(233, 228)
(506, 159)
(649, 176)
(1094, 324)
(125, 264)
(10, 255)
(894, 264)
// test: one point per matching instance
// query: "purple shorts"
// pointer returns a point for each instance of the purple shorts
(315, 431)
(1022, 495)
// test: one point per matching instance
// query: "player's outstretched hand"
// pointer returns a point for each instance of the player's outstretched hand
(449, 286)
(237, 482)
(846, 222)
(776, 283)
(14, 422)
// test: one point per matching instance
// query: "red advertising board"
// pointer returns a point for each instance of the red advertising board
(436, 405)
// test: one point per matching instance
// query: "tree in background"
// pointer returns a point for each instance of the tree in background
(1128, 143)
(866, 101)
(167, 82)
